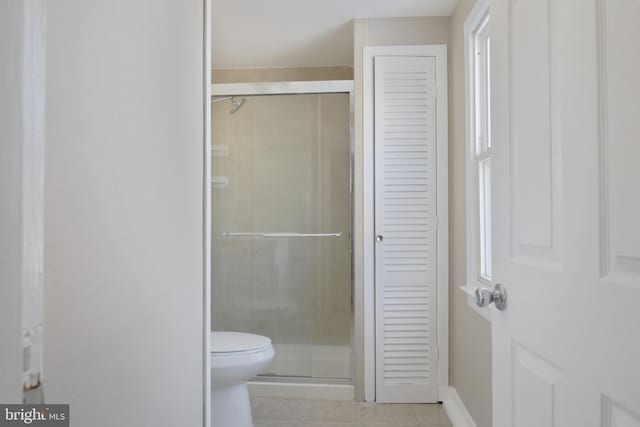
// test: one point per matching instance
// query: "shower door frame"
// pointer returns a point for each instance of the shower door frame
(308, 88)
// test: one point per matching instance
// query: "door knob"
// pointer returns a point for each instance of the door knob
(485, 296)
(379, 238)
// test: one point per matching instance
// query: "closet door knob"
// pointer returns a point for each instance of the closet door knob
(379, 238)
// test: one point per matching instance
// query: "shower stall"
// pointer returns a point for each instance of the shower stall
(281, 223)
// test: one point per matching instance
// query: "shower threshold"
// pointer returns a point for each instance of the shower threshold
(300, 380)
(302, 388)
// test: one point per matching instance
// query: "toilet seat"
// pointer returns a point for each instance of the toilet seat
(234, 343)
(236, 356)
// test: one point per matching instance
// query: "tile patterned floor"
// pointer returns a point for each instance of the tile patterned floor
(278, 412)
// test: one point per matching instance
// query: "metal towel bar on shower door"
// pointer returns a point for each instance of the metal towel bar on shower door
(272, 235)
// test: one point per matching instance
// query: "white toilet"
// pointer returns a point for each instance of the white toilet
(235, 358)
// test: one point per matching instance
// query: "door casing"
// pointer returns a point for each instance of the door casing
(440, 53)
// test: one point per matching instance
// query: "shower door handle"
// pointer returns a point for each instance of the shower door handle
(379, 238)
(272, 234)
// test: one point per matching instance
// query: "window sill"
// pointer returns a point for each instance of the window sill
(470, 289)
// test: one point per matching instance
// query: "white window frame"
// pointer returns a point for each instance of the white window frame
(475, 23)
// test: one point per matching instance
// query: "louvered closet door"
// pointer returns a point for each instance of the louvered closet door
(405, 224)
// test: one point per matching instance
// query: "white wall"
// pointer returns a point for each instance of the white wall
(470, 334)
(124, 211)
(294, 33)
(12, 48)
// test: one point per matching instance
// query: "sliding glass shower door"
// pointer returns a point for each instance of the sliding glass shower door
(281, 246)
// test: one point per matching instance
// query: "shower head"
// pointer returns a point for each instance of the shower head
(236, 105)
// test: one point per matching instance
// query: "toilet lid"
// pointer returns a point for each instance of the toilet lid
(229, 342)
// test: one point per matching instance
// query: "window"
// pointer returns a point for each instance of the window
(478, 91)
(481, 140)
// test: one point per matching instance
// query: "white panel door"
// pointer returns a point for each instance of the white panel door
(405, 228)
(566, 137)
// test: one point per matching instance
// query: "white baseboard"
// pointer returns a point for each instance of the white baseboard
(454, 406)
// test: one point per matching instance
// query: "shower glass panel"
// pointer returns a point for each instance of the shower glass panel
(280, 165)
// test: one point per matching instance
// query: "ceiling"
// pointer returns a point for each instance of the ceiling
(298, 33)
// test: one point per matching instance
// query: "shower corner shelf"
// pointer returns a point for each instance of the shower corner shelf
(219, 182)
